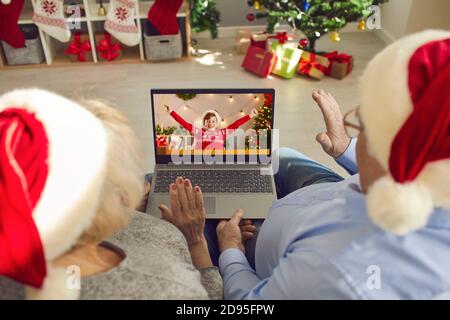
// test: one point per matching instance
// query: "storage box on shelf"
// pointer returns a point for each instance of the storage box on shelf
(54, 51)
(32, 53)
(161, 47)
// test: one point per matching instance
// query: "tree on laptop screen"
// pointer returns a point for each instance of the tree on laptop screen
(213, 123)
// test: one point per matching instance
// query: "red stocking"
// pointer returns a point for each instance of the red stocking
(9, 29)
(163, 16)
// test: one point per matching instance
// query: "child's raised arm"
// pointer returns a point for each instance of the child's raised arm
(188, 126)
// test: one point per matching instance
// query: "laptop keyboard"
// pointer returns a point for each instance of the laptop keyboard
(218, 181)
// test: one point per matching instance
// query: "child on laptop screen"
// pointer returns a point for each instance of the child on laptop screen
(212, 138)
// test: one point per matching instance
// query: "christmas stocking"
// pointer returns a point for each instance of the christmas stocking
(9, 30)
(120, 21)
(49, 17)
(163, 16)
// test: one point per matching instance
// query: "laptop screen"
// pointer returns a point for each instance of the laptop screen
(215, 123)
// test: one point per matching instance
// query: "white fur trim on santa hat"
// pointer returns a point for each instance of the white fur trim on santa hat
(77, 161)
(58, 285)
(218, 117)
(399, 208)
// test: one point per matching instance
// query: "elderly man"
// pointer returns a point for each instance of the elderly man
(382, 234)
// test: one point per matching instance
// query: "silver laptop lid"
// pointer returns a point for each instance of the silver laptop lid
(213, 126)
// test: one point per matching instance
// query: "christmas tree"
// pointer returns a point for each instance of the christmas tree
(262, 123)
(204, 16)
(264, 117)
(314, 18)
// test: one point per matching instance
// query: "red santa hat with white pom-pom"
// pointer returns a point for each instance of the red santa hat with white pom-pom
(52, 161)
(405, 108)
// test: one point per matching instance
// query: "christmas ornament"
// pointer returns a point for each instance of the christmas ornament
(257, 6)
(120, 21)
(250, 17)
(335, 37)
(303, 43)
(362, 25)
(101, 10)
(306, 6)
(9, 29)
(49, 17)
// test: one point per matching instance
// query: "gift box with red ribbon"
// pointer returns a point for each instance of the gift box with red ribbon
(108, 48)
(283, 39)
(287, 60)
(341, 65)
(162, 141)
(259, 40)
(313, 65)
(79, 49)
(242, 40)
(162, 144)
(259, 61)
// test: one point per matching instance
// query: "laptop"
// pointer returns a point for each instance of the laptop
(220, 139)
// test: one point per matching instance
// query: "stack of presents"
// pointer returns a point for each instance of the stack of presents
(281, 54)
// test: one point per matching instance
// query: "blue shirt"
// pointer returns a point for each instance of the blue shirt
(319, 243)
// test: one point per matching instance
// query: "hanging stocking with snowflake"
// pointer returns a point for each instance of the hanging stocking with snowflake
(120, 21)
(9, 29)
(49, 17)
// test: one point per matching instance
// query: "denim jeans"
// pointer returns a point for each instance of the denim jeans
(295, 172)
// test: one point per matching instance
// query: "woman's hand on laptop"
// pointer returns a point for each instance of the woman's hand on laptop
(335, 140)
(187, 213)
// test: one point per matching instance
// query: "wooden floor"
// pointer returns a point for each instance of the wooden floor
(128, 86)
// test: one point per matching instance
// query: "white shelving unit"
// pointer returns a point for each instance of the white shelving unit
(92, 24)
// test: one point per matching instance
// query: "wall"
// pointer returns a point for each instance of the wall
(403, 17)
(394, 19)
(234, 13)
(429, 14)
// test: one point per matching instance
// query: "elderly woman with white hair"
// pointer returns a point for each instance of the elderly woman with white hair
(71, 176)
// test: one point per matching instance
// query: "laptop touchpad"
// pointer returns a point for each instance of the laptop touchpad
(210, 205)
